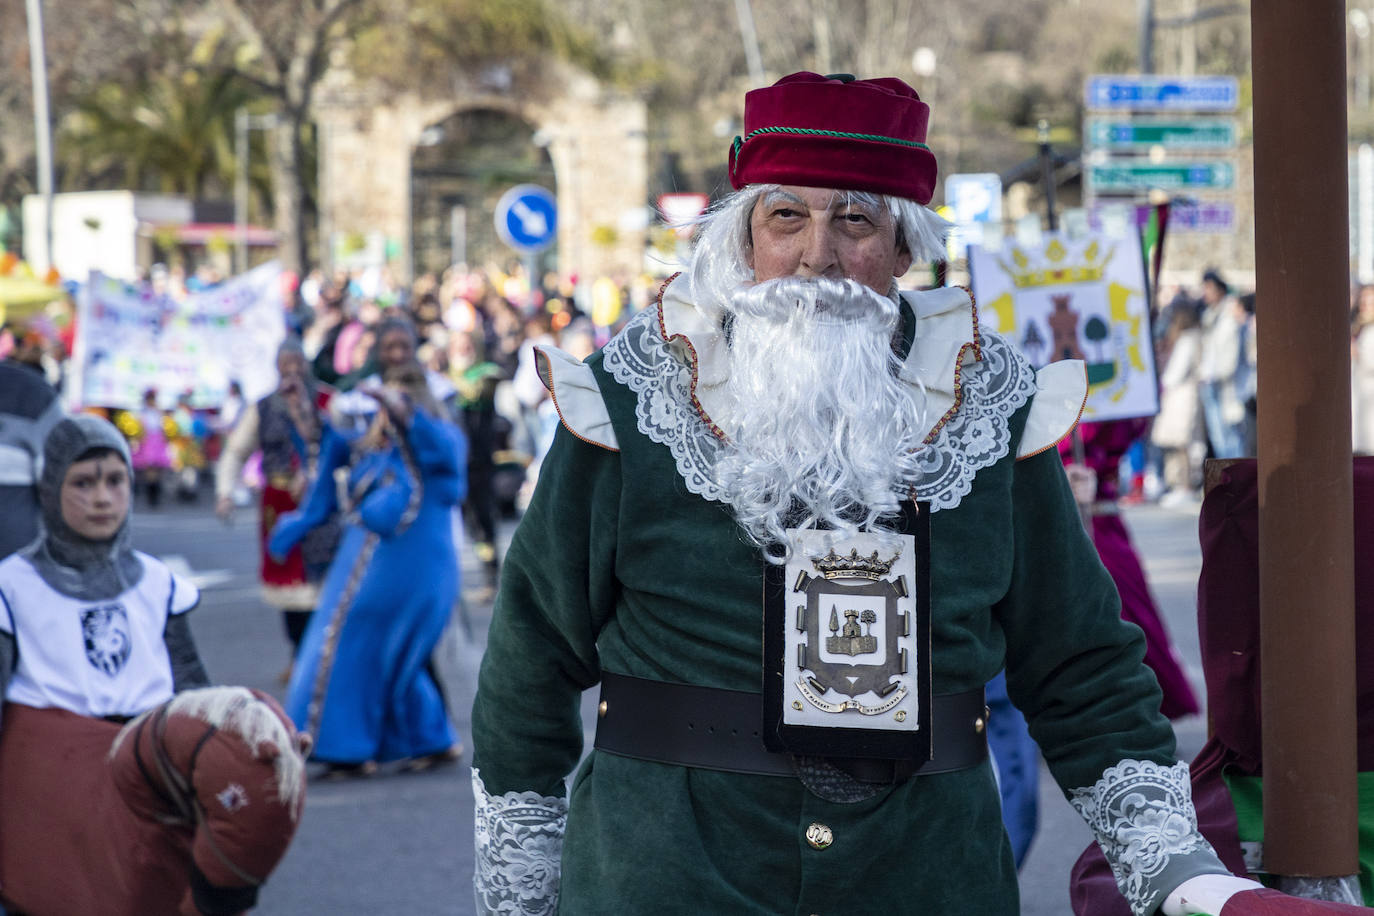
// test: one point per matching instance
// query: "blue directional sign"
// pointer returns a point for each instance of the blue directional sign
(527, 218)
(1143, 174)
(1132, 133)
(1162, 93)
(974, 198)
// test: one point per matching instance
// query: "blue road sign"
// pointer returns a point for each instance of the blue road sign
(527, 218)
(1162, 93)
(974, 198)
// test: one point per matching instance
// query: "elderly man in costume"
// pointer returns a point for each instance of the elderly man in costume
(794, 520)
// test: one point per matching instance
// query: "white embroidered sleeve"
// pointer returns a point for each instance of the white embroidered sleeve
(519, 845)
(1143, 817)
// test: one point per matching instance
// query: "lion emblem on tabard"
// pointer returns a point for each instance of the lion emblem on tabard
(105, 630)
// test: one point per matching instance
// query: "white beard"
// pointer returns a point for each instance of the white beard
(822, 432)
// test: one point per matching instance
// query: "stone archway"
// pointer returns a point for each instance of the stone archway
(458, 172)
(594, 138)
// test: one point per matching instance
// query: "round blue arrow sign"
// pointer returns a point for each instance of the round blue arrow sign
(527, 217)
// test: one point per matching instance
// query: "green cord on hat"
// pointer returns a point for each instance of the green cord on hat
(825, 133)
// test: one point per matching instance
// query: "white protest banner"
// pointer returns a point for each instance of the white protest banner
(130, 340)
(1075, 298)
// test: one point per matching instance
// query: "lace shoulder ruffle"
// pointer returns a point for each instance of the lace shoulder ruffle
(1143, 817)
(978, 435)
(641, 359)
(975, 436)
(519, 850)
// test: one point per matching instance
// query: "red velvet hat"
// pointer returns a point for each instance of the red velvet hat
(836, 132)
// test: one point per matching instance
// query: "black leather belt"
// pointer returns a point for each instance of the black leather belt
(720, 730)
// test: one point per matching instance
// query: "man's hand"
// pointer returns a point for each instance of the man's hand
(395, 402)
(224, 508)
(1205, 895)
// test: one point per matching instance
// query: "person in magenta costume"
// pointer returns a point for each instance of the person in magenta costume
(1104, 444)
(360, 686)
(152, 456)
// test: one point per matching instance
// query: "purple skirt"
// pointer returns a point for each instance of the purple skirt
(151, 451)
(1137, 606)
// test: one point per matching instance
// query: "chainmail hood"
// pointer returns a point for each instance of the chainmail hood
(74, 565)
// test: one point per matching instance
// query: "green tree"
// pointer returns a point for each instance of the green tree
(169, 130)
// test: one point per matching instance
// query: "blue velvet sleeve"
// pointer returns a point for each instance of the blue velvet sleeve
(321, 501)
(441, 453)
(432, 467)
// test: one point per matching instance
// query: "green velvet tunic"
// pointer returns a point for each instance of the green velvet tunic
(617, 566)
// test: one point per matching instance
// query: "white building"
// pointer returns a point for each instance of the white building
(122, 233)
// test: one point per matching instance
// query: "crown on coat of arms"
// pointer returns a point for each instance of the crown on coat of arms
(835, 566)
(1056, 267)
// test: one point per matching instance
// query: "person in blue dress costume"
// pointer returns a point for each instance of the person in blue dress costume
(360, 686)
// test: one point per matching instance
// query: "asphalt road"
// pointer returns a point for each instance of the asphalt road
(402, 844)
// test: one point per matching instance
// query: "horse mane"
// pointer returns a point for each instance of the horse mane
(238, 711)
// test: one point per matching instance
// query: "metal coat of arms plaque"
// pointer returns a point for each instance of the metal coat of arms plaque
(847, 635)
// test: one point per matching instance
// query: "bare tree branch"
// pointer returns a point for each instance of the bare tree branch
(248, 29)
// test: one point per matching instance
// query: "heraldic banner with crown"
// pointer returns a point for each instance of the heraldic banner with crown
(1075, 298)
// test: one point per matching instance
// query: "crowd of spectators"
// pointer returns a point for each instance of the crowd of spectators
(476, 328)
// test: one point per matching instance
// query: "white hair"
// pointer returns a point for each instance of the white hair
(720, 264)
(823, 432)
(238, 711)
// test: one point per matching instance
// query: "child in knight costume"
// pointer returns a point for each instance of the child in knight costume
(92, 625)
(787, 438)
(94, 634)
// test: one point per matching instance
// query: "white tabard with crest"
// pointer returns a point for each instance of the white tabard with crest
(104, 657)
(851, 638)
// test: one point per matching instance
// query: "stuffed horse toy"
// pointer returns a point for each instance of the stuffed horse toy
(183, 811)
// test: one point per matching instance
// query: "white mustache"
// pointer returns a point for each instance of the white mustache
(820, 299)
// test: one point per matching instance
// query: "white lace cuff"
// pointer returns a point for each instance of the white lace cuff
(1143, 817)
(519, 843)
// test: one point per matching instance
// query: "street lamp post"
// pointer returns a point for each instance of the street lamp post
(924, 64)
(1360, 25)
(744, 12)
(1146, 9)
(1042, 134)
(42, 120)
(243, 122)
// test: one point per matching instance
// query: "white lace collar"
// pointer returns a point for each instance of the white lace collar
(675, 360)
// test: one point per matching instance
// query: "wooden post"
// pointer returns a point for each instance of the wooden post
(1307, 592)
